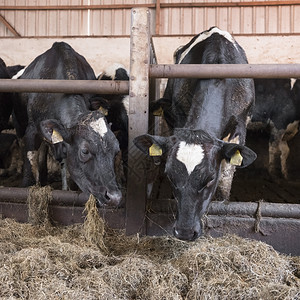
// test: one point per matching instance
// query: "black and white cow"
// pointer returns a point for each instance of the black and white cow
(76, 133)
(14, 70)
(277, 109)
(209, 121)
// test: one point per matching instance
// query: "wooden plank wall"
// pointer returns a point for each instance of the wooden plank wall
(59, 18)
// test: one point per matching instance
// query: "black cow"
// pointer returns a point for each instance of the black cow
(6, 102)
(75, 133)
(277, 109)
(209, 121)
(115, 106)
(10, 155)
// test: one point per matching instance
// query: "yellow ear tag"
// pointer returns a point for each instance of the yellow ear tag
(155, 150)
(159, 112)
(236, 159)
(103, 110)
(56, 137)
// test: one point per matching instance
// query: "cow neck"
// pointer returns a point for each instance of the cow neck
(72, 110)
(208, 115)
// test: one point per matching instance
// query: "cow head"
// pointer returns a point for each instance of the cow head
(89, 148)
(193, 167)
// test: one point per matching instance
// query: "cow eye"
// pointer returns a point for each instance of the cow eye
(85, 151)
(84, 154)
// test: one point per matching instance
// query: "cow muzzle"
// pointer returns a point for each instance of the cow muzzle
(107, 197)
(112, 198)
(187, 234)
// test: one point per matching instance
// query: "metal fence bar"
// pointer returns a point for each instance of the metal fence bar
(225, 71)
(64, 86)
(155, 71)
(64, 198)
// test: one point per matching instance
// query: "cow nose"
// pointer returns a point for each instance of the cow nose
(113, 198)
(186, 234)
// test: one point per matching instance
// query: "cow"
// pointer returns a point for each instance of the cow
(277, 110)
(209, 129)
(14, 70)
(115, 107)
(10, 155)
(65, 121)
(6, 101)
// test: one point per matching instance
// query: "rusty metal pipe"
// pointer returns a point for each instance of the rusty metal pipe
(225, 71)
(78, 199)
(65, 86)
(63, 198)
(275, 210)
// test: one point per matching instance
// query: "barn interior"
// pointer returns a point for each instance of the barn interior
(60, 245)
(252, 184)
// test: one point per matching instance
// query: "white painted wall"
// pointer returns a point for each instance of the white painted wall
(100, 52)
(259, 49)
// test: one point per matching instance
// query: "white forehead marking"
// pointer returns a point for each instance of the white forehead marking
(190, 155)
(99, 126)
(19, 74)
(204, 36)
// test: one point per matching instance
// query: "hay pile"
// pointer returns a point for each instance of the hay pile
(45, 262)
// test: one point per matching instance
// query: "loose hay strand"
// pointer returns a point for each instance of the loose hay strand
(38, 200)
(94, 226)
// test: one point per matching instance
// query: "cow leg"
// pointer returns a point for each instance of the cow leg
(288, 134)
(285, 151)
(63, 170)
(30, 167)
(42, 166)
(274, 167)
(225, 182)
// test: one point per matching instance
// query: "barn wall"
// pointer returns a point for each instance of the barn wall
(250, 18)
(171, 17)
(101, 52)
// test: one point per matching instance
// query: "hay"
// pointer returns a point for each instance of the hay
(38, 200)
(94, 226)
(38, 262)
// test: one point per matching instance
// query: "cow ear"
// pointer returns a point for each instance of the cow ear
(163, 107)
(152, 145)
(53, 131)
(99, 103)
(158, 107)
(238, 155)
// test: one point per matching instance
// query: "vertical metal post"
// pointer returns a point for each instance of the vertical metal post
(138, 119)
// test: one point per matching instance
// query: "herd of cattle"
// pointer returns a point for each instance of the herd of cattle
(208, 119)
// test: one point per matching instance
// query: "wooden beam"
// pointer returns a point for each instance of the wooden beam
(138, 120)
(9, 27)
